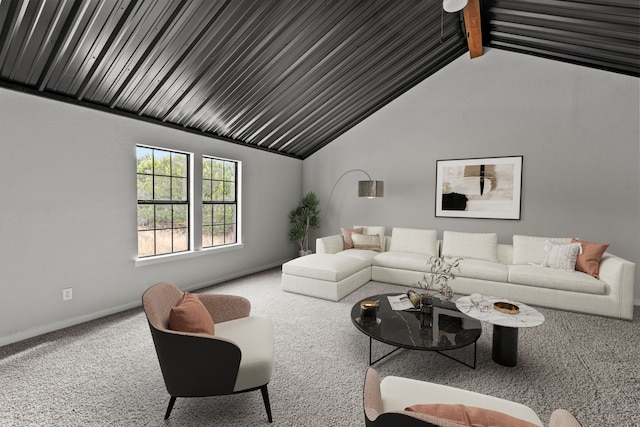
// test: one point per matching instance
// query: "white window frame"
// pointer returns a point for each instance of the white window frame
(195, 211)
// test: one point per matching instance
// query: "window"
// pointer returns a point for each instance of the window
(163, 201)
(219, 202)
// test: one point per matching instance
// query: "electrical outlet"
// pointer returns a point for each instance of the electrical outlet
(67, 294)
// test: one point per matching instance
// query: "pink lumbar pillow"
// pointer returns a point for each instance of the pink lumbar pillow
(589, 260)
(469, 415)
(346, 236)
(190, 315)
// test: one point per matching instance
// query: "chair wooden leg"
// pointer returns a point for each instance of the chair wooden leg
(170, 407)
(267, 405)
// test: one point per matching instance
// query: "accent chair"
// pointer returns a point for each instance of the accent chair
(385, 404)
(237, 358)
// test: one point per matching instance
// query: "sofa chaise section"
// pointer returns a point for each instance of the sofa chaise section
(326, 276)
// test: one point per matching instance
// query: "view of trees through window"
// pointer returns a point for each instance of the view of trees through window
(163, 189)
(163, 201)
(219, 202)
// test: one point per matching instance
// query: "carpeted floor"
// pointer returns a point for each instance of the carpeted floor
(105, 372)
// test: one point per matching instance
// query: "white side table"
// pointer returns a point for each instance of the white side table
(505, 326)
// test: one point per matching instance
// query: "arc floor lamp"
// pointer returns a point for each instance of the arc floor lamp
(369, 189)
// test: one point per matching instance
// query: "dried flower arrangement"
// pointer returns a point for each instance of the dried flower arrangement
(437, 280)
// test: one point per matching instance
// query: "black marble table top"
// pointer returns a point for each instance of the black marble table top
(445, 328)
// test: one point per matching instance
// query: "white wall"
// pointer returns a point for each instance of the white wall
(68, 213)
(577, 128)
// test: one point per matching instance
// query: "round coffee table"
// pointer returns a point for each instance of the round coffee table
(445, 328)
(505, 326)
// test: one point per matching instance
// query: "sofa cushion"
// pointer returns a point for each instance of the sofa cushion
(530, 249)
(470, 416)
(254, 336)
(589, 260)
(346, 236)
(413, 240)
(402, 261)
(562, 257)
(361, 254)
(470, 245)
(325, 266)
(372, 229)
(190, 315)
(369, 242)
(482, 270)
(542, 277)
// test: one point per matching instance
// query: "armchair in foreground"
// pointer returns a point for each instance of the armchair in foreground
(430, 404)
(237, 359)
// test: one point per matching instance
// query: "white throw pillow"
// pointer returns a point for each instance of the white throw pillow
(530, 249)
(561, 257)
(414, 240)
(482, 246)
(366, 241)
(371, 229)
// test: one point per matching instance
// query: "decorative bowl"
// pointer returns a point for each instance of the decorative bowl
(506, 307)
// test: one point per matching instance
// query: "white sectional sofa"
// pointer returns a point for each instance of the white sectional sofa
(511, 271)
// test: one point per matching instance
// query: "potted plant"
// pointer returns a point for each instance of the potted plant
(437, 280)
(304, 218)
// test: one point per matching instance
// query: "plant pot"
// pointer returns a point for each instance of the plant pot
(303, 253)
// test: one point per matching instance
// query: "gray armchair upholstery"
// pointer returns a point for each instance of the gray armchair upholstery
(239, 358)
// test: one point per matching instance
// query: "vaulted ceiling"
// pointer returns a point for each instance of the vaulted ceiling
(287, 76)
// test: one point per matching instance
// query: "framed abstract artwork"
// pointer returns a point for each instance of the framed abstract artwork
(487, 187)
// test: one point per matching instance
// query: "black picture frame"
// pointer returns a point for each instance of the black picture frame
(484, 187)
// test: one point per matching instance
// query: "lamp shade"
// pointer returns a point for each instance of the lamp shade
(370, 189)
(454, 5)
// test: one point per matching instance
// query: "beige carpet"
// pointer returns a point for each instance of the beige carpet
(105, 372)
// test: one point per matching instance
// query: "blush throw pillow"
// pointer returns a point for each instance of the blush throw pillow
(589, 260)
(561, 257)
(469, 415)
(190, 315)
(366, 241)
(346, 236)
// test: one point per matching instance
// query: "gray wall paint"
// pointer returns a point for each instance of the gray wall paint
(577, 128)
(68, 215)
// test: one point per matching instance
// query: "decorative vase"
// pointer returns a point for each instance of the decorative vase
(426, 304)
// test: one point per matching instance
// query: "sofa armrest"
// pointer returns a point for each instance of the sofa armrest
(563, 418)
(619, 275)
(223, 308)
(329, 244)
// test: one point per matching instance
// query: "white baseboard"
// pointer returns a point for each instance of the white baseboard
(51, 327)
(228, 277)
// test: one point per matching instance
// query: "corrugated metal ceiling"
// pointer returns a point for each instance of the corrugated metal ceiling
(602, 34)
(288, 76)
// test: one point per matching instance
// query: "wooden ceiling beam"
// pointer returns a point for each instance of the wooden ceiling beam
(472, 25)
